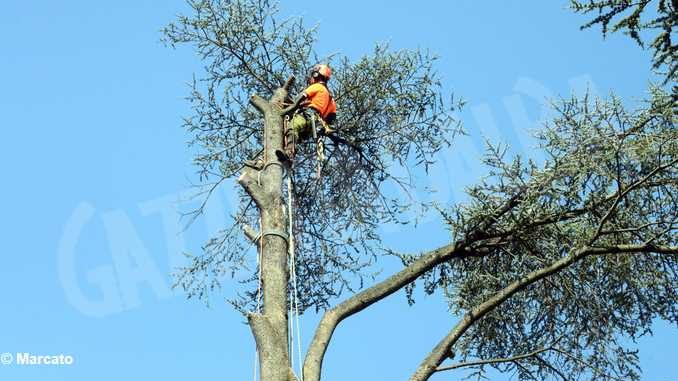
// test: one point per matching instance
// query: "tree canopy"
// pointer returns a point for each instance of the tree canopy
(392, 113)
(554, 267)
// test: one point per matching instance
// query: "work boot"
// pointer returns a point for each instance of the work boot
(287, 154)
(284, 157)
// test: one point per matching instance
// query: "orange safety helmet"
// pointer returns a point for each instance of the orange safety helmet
(321, 70)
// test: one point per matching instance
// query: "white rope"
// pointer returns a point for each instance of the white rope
(296, 317)
(294, 294)
(293, 274)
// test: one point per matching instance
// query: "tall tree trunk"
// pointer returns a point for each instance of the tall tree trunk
(265, 187)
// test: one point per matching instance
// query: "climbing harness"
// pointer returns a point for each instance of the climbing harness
(286, 127)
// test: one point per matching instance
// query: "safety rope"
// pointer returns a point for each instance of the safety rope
(293, 273)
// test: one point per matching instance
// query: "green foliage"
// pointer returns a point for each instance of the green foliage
(611, 178)
(628, 17)
(391, 113)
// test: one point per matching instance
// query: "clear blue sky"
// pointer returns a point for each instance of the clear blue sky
(94, 166)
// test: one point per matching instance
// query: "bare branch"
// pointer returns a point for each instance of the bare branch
(249, 181)
(250, 233)
(588, 365)
(259, 103)
(492, 361)
(287, 86)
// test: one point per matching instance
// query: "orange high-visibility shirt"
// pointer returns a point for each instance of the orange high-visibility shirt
(320, 100)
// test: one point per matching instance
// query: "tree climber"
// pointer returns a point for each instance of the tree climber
(312, 108)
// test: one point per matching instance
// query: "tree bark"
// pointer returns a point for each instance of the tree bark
(265, 187)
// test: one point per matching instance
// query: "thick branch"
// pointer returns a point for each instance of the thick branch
(259, 103)
(439, 353)
(281, 94)
(249, 180)
(250, 233)
(360, 301)
(288, 83)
